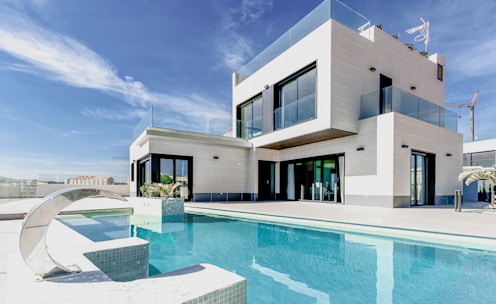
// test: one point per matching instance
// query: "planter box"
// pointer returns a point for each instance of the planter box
(158, 206)
(160, 215)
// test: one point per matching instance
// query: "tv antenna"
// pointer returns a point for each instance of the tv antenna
(424, 33)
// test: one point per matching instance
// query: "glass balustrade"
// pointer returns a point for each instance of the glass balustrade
(329, 9)
(396, 100)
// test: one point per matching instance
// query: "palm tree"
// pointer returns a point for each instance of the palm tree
(480, 174)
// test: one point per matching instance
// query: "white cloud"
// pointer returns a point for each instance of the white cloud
(251, 10)
(61, 58)
(113, 114)
(476, 62)
(236, 49)
(64, 59)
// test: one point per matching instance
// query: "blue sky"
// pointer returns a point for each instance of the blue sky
(76, 77)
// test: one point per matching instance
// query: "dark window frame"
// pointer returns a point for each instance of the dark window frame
(239, 113)
(285, 82)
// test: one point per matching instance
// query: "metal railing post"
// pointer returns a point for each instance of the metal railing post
(458, 200)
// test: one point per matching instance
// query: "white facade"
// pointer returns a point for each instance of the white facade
(337, 152)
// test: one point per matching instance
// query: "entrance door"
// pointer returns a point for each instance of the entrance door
(422, 179)
(266, 180)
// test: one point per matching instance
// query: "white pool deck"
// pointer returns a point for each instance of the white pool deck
(473, 227)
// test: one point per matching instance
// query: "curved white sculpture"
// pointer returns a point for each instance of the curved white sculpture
(32, 240)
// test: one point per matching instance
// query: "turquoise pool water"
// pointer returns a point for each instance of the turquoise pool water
(294, 265)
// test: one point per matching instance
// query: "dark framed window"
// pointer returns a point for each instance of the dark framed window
(167, 169)
(296, 98)
(250, 118)
(440, 71)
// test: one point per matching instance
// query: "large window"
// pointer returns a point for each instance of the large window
(296, 100)
(168, 169)
(251, 119)
(173, 170)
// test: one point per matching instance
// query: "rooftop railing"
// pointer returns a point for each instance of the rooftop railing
(329, 9)
(161, 117)
(396, 100)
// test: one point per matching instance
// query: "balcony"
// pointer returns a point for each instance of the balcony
(161, 117)
(396, 100)
(329, 9)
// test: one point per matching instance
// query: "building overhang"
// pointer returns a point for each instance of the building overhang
(311, 138)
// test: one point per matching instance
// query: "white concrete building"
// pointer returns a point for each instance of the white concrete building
(335, 111)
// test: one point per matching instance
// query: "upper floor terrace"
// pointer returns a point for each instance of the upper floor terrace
(329, 9)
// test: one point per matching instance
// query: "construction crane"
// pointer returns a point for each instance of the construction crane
(471, 106)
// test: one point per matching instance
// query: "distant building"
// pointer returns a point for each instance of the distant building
(20, 189)
(479, 153)
(90, 180)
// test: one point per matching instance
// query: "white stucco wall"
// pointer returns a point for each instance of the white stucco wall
(343, 59)
(231, 170)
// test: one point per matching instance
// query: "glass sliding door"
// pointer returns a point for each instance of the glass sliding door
(418, 180)
(329, 180)
(316, 179)
(317, 184)
(422, 179)
(290, 186)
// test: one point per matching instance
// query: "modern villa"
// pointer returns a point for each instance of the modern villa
(335, 110)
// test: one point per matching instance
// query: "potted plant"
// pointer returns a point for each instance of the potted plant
(159, 189)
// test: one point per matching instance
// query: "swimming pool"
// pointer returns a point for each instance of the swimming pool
(285, 264)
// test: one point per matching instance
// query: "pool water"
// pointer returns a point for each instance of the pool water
(294, 265)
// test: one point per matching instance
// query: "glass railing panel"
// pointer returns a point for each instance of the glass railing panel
(326, 10)
(290, 114)
(306, 108)
(162, 117)
(428, 112)
(310, 22)
(396, 100)
(405, 103)
(277, 118)
(257, 127)
(450, 120)
(348, 17)
(276, 48)
(369, 105)
(389, 96)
